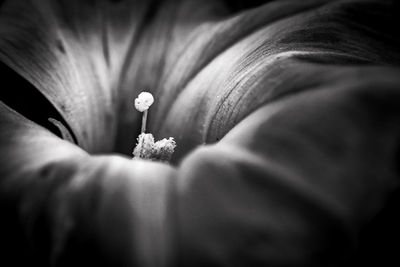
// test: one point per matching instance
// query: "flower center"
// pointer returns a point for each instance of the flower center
(146, 148)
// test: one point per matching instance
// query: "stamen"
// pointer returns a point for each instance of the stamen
(146, 148)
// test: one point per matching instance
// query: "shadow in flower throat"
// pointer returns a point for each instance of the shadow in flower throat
(29, 102)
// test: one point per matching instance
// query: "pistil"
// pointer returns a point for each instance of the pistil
(146, 148)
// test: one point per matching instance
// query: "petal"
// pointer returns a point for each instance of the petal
(73, 52)
(288, 186)
(294, 183)
(62, 207)
(218, 69)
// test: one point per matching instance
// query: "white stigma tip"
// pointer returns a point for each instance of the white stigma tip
(144, 101)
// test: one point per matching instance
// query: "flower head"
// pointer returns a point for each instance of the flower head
(285, 106)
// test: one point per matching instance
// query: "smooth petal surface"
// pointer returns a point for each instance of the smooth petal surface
(295, 182)
(62, 207)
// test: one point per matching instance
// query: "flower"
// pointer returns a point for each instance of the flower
(286, 114)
